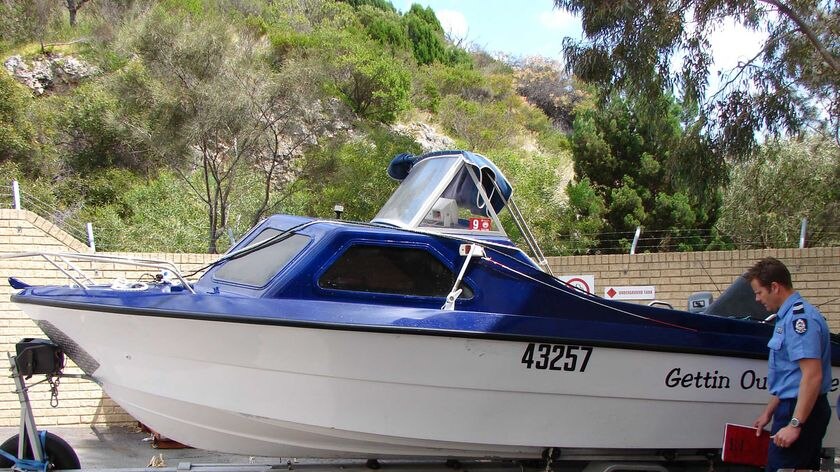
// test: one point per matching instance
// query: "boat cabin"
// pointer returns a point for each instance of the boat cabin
(413, 252)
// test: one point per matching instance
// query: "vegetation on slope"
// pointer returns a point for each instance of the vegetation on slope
(207, 116)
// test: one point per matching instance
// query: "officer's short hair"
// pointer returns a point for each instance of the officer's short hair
(769, 270)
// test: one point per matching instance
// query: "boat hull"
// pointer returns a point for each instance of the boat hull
(296, 391)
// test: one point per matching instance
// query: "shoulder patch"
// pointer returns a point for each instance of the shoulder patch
(800, 325)
(799, 309)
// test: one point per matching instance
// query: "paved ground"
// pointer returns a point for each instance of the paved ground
(107, 448)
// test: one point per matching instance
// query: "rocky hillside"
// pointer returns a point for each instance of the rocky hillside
(176, 124)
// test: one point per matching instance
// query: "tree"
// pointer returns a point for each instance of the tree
(351, 173)
(426, 35)
(583, 216)
(774, 189)
(374, 85)
(290, 118)
(792, 84)
(545, 85)
(73, 7)
(385, 27)
(538, 181)
(631, 154)
(199, 97)
(25, 20)
(87, 136)
(383, 5)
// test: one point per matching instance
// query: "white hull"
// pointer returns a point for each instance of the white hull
(303, 392)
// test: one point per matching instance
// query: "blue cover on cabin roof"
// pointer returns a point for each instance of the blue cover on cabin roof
(401, 165)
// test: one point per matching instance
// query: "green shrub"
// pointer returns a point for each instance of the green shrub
(435, 81)
(351, 173)
(16, 132)
(483, 126)
(374, 85)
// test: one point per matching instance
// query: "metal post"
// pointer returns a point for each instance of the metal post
(16, 194)
(231, 237)
(635, 240)
(28, 430)
(802, 233)
(91, 242)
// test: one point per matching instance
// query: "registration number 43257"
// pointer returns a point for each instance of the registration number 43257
(556, 357)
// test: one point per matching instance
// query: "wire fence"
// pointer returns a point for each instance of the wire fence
(67, 219)
(797, 234)
(106, 236)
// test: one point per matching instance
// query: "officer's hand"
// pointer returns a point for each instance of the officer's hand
(786, 436)
(761, 422)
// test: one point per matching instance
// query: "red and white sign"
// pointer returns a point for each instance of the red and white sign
(585, 283)
(632, 292)
(481, 224)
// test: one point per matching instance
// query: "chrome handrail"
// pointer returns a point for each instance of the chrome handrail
(81, 279)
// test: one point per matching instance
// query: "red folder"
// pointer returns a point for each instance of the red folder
(742, 446)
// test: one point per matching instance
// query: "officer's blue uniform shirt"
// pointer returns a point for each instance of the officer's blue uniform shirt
(800, 333)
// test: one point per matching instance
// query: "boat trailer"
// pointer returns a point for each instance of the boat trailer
(32, 450)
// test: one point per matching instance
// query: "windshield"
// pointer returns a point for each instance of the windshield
(416, 190)
(257, 268)
(461, 206)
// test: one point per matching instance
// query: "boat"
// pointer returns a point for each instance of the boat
(423, 333)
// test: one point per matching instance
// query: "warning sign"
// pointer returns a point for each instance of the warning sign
(585, 283)
(632, 292)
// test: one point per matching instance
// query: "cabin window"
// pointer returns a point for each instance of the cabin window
(393, 270)
(257, 268)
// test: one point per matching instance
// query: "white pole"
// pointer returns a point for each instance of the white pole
(802, 233)
(635, 240)
(16, 194)
(91, 242)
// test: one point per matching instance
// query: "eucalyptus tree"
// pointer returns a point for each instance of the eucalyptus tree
(653, 47)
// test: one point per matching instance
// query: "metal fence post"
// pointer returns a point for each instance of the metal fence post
(16, 194)
(635, 240)
(802, 233)
(91, 242)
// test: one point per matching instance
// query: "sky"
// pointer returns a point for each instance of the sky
(535, 27)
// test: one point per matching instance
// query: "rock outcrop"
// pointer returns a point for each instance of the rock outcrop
(50, 73)
(427, 137)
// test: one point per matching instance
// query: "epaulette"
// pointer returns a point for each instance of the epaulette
(799, 309)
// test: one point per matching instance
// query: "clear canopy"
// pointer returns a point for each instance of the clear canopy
(444, 193)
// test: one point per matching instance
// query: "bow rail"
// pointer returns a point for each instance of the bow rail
(78, 276)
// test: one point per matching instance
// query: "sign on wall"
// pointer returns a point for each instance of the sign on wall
(630, 292)
(580, 282)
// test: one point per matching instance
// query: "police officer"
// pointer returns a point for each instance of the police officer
(799, 374)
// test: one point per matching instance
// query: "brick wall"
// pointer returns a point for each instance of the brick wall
(80, 402)
(816, 273)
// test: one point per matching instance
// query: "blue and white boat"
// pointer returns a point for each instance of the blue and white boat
(425, 332)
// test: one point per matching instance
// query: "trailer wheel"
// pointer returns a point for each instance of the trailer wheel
(59, 454)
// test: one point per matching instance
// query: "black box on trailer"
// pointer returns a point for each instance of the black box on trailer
(38, 356)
